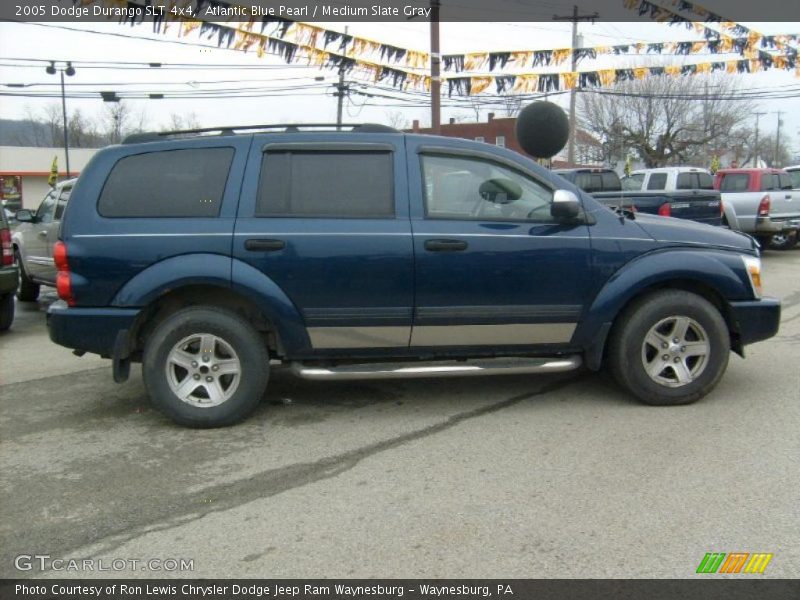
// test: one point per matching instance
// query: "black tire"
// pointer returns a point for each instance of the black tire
(629, 355)
(28, 291)
(240, 337)
(783, 241)
(764, 241)
(6, 312)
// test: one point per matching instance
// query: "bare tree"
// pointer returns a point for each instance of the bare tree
(178, 122)
(511, 105)
(396, 119)
(663, 119)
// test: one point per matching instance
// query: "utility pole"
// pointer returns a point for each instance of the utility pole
(778, 140)
(341, 88)
(755, 159)
(436, 81)
(575, 17)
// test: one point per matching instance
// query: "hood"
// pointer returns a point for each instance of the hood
(682, 231)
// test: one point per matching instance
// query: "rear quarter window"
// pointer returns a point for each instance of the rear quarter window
(657, 181)
(170, 183)
(734, 182)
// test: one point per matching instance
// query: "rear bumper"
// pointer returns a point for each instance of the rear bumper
(756, 320)
(89, 329)
(770, 225)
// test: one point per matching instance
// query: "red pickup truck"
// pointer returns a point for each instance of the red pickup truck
(761, 202)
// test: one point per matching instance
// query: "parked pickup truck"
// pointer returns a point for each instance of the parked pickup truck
(372, 253)
(669, 179)
(8, 275)
(34, 239)
(761, 202)
(695, 204)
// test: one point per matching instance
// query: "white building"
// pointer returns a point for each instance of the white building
(28, 168)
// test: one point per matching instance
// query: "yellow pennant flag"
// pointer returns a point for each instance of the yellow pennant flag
(53, 179)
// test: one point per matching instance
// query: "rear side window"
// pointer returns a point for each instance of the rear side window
(785, 181)
(172, 183)
(657, 181)
(686, 181)
(795, 175)
(768, 182)
(344, 184)
(611, 182)
(62, 202)
(734, 182)
(634, 182)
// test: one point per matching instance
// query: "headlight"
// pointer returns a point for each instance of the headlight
(753, 267)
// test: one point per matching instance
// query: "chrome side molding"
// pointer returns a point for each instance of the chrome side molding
(444, 368)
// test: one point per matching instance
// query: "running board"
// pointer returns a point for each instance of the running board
(448, 368)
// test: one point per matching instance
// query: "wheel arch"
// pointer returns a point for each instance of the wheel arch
(690, 271)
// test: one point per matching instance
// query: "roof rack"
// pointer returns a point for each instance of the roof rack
(152, 136)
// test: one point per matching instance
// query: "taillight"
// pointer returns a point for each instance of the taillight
(665, 210)
(763, 207)
(8, 251)
(63, 278)
(721, 209)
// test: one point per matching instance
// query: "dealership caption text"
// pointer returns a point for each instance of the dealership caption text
(306, 11)
(253, 590)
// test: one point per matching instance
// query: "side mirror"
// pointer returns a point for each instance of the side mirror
(565, 205)
(25, 216)
(500, 191)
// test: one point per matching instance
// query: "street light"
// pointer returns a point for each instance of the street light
(70, 71)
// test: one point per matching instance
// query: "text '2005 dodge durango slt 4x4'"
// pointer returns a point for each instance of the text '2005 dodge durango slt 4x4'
(208, 255)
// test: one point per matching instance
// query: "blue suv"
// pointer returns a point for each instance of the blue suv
(209, 255)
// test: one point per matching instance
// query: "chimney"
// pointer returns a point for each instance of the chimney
(452, 120)
(491, 117)
(415, 126)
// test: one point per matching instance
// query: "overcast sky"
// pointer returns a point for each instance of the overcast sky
(312, 104)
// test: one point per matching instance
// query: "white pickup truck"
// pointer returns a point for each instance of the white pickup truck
(761, 202)
(669, 179)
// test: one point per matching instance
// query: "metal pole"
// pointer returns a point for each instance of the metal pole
(572, 97)
(778, 141)
(436, 83)
(340, 88)
(575, 18)
(64, 110)
(755, 158)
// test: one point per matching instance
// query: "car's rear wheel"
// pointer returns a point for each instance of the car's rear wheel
(783, 241)
(6, 311)
(28, 291)
(669, 348)
(205, 367)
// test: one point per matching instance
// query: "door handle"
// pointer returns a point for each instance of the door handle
(788, 196)
(42, 233)
(257, 245)
(445, 245)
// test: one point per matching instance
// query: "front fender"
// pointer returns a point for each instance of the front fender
(719, 270)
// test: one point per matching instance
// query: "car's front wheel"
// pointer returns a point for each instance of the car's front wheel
(205, 367)
(669, 348)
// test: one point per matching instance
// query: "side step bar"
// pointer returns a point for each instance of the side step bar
(445, 368)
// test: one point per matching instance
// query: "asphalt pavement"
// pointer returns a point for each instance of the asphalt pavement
(516, 476)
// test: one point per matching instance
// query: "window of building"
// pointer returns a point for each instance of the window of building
(172, 183)
(480, 138)
(500, 141)
(328, 184)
